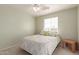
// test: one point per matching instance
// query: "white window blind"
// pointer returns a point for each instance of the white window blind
(51, 24)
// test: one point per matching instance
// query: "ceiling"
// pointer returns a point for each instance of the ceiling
(52, 8)
(46, 8)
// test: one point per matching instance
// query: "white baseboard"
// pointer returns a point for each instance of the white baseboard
(11, 46)
(2, 49)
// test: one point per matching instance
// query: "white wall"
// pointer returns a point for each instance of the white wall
(67, 23)
(14, 25)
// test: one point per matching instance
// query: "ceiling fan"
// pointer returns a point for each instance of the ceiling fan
(39, 7)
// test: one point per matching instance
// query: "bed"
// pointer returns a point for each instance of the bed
(40, 44)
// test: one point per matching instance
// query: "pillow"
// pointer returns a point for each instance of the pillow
(49, 33)
(42, 32)
(46, 33)
(54, 34)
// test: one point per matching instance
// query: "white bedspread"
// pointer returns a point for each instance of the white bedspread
(39, 44)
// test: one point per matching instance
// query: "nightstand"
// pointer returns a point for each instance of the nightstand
(69, 43)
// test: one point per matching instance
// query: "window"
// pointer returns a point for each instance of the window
(51, 24)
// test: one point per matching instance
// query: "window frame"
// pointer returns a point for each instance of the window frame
(52, 18)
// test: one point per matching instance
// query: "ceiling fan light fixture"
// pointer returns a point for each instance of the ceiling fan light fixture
(38, 7)
(35, 8)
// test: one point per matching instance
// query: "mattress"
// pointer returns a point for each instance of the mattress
(39, 44)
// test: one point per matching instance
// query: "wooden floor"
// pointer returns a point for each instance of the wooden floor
(18, 51)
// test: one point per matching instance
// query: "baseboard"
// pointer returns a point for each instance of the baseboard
(11, 46)
(2, 49)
